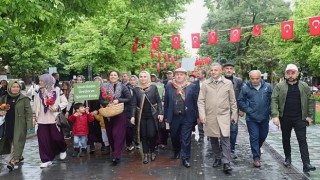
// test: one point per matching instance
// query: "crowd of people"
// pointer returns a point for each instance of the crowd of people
(151, 115)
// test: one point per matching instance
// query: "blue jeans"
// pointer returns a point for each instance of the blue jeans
(233, 136)
(77, 140)
(258, 132)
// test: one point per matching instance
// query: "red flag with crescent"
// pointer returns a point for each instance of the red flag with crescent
(172, 59)
(287, 29)
(314, 23)
(195, 37)
(152, 54)
(159, 55)
(256, 30)
(175, 41)
(213, 37)
(178, 65)
(158, 67)
(134, 48)
(166, 56)
(155, 42)
(165, 66)
(235, 35)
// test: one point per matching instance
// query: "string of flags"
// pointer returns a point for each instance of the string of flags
(235, 34)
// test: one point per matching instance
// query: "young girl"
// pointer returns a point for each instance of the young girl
(80, 129)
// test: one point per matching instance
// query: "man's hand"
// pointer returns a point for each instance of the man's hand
(241, 113)
(203, 120)
(309, 119)
(160, 117)
(276, 121)
(132, 120)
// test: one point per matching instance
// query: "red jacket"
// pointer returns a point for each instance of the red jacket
(80, 124)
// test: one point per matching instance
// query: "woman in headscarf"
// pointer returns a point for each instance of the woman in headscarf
(18, 119)
(47, 104)
(95, 134)
(131, 134)
(147, 108)
(116, 126)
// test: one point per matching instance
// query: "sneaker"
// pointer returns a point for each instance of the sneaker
(20, 160)
(130, 148)
(10, 166)
(46, 164)
(63, 155)
(67, 136)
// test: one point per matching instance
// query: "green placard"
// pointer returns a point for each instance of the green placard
(160, 87)
(86, 91)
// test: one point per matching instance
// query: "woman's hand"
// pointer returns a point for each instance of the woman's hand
(2, 113)
(115, 102)
(160, 117)
(95, 112)
(52, 108)
(132, 120)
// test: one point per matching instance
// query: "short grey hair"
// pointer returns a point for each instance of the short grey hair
(254, 71)
(216, 64)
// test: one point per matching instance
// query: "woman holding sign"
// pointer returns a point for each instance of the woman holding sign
(47, 104)
(116, 126)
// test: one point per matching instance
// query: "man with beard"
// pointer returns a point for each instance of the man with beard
(291, 108)
(228, 69)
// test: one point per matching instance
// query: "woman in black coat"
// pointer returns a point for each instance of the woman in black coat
(147, 108)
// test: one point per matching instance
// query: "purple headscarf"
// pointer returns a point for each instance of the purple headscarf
(48, 81)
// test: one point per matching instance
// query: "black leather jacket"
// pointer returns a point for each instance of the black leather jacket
(153, 96)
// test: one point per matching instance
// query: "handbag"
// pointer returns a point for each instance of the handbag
(62, 121)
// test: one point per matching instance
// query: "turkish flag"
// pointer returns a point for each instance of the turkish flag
(178, 65)
(158, 67)
(314, 23)
(256, 30)
(165, 66)
(152, 54)
(177, 57)
(175, 41)
(235, 35)
(134, 48)
(166, 56)
(213, 37)
(143, 45)
(172, 59)
(195, 37)
(287, 29)
(159, 55)
(155, 42)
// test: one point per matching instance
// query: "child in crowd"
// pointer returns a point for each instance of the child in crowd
(80, 130)
(105, 147)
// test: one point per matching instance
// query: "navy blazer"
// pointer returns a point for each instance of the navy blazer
(191, 103)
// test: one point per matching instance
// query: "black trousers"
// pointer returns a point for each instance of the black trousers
(300, 129)
(148, 133)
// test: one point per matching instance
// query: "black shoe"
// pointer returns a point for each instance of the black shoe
(107, 150)
(20, 160)
(287, 162)
(115, 161)
(83, 152)
(308, 167)
(145, 159)
(76, 152)
(10, 166)
(217, 163)
(176, 156)
(227, 167)
(92, 150)
(186, 163)
(153, 156)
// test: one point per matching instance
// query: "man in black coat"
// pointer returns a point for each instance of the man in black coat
(201, 75)
(181, 112)
(228, 69)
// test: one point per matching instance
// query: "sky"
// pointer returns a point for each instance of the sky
(195, 16)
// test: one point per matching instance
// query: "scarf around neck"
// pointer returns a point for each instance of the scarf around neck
(116, 92)
(180, 89)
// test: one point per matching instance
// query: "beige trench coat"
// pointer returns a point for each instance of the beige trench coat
(215, 103)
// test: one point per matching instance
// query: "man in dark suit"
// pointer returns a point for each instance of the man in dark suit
(201, 75)
(181, 111)
(228, 69)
